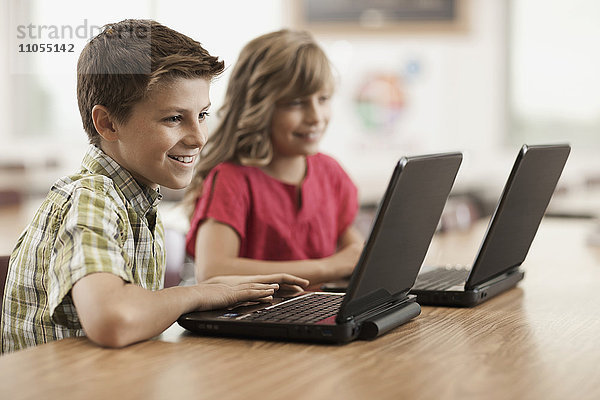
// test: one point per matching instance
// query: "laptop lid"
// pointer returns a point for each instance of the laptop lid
(401, 232)
(519, 212)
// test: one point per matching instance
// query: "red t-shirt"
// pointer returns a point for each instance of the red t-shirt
(264, 211)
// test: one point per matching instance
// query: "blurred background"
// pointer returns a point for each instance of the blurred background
(478, 76)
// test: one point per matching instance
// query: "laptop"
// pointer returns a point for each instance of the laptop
(509, 235)
(377, 299)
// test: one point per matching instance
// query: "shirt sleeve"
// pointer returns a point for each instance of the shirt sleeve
(347, 201)
(225, 198)
(88, 241)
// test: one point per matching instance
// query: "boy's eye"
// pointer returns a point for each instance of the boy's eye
(202, 116)
(174, 118)
(323, 99)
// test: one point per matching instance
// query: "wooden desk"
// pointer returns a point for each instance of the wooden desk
(539, 341)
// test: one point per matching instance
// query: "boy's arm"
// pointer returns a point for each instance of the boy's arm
(217, 249)
(114, 313)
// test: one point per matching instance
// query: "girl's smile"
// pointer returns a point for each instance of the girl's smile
(298, 125)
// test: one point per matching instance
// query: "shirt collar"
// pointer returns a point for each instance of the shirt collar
(141, 197)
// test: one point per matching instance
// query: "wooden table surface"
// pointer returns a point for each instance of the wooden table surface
(538, 341)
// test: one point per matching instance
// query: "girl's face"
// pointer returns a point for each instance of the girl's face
(298, 125)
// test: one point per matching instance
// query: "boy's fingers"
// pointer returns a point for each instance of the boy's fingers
(255, 293)
(266, 299)
(258, 285)
(293, 280)
(290, 288)
(283, 278)
(258, 288)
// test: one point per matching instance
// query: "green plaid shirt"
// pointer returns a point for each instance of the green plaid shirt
(99, 220)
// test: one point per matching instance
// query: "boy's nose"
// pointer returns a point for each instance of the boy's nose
(198, 135)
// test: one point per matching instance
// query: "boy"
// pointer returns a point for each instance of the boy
(91, 262)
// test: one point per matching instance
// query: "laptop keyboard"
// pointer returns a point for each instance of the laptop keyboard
(441, 278)
(306, 309)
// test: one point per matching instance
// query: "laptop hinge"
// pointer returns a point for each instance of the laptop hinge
(369, 303)
(495, 279)
(399, 298)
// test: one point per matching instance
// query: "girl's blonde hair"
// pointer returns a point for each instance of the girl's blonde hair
(274, 67)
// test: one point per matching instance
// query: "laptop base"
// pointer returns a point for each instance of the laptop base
(469, 297)
(330, 334)
(325, 331)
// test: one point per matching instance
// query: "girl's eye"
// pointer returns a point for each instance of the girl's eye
(174, 118)
(294, 103)
(203, 115)
(323, 99)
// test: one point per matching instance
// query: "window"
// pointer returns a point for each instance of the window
(554, 90)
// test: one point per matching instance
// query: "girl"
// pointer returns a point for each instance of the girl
(265, 199)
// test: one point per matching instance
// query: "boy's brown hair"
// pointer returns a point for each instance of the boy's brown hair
(119, 67)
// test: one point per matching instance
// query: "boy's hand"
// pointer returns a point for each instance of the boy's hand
(223, 291)
(220, 295)
(282, 278)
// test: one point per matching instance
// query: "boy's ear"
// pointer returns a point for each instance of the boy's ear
(104, 124)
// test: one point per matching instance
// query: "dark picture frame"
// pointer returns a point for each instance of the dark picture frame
(363, 16)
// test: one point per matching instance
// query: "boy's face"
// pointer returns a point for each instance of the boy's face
(298, 125)
(165, 132)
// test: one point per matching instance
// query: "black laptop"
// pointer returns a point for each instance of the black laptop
(510, 232)
(377, 299)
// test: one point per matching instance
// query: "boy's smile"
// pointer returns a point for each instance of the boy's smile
(164, 134)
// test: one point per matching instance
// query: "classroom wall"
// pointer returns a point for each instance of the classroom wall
(456, 101)
(453, 86)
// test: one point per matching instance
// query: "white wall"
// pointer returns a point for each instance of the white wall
(457, 102)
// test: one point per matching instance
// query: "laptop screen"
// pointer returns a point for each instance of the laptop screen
(403, 227)
(522, 205)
